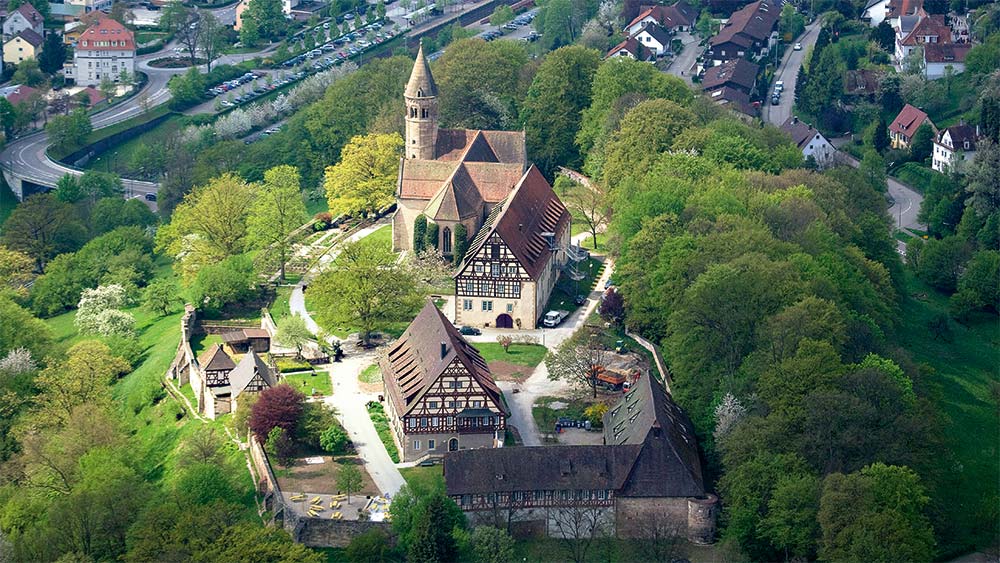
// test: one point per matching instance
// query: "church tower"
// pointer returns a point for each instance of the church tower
(421, 110)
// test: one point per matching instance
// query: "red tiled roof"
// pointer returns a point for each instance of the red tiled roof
(754, 21)
(929, 26)
(20, 94)
(107, 35)
(908, 121)
(631, 45)
(947, 53)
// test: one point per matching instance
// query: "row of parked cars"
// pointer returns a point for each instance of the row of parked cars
(233, 84)
(342, 43)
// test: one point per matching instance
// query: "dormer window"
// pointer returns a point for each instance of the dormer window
(420, 93)
(966, 144)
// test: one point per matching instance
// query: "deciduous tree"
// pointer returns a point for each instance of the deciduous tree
(42, 227)
(83, 378)
(277, 210)
(578, 363)
(364, 180)
(276, 407)
(349, 479)
(292, 331)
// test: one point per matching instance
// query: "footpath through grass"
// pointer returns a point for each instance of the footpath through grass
(965, 365)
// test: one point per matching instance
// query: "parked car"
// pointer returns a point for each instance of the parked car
(469, 331)
(553, 318)
(797, 47)
(779, 86)
(775, 100)
(579, 300)
(150, 197)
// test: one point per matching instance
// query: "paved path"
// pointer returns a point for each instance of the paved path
(789, 73)
(905, 206)
(684, 63)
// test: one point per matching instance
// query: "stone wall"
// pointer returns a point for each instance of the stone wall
(691, 518)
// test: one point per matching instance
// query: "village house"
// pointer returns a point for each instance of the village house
(739, 74)
(902, 129)
(939, 57)
(954, 147)
(514, 262)
(810, 141)
(874, 12)
(440, 394)
(645, 481)
(222, 381)
(104, 51)
(747, 33)
(25, 45)
(654, 38)
(24, 17)
(632, 49)
(919, 30)
(731, 98)
(679, 16)
(449, 177)
(18, 94)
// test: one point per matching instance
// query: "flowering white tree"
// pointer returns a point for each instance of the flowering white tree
(727, 414)
(17, 361)
(99, 311)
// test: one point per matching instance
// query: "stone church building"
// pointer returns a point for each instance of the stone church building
(449, 176)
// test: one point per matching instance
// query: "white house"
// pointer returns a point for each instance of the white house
(654, 38)
(875, 11)
(92, 5)
(938, 57)
(104, 50)
(679, 16)
(811, 142)
(953, 147)
(24, 17)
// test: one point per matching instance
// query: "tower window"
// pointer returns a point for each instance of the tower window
(420, 93)
(413, 112)
(423, 113)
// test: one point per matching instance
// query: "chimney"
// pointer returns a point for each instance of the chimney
(444, 349)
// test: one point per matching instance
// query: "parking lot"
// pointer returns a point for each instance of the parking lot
(520, 28)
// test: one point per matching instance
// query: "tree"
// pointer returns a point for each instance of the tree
(108, 87)
(461, 243)
(99, 312)
(186, 29)
(209, 226)
(364, 180)
(202, 447)
(42, 227)
(825, 84)
(612, 307)
(279, 407)
(334, 440)
(419, 233)
(20, 329)
(110, 213)
(280, 446)
(492, 545)
(578, 363)
(211, 37)
(432, 537)
(53, 54)
(366, 289)
(480, 83)
(431, 236)
(876, 515)
(884, 36)
(589, 203)
(16, 272)
(292, 331)
(645, 131)
(29, 73)
(349, 479)
(66, 131)
(880, 135)
(790, 524)
(983, 175)
(979, 284)
(229, 281)
(277, 210)
(791, 23)
(369, 547)
(267, 17)
(922, 144)
(81, 379)
(578, 528)
(942, 262)
(8, 117)
(160, 296)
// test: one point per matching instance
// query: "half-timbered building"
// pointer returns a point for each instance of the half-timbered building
(449, 177)
(441, 396)
(515, 260)
(645, 481)
(220, 381)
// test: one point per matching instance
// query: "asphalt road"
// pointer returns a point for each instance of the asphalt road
(682, 66)
(788, 73)
(905, 206)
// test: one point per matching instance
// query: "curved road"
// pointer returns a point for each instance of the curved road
(26, 156)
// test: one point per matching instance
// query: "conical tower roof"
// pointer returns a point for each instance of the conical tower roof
(421, 84)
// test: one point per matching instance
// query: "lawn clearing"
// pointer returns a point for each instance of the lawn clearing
(424, 478)
(566, 290)
(310, 383)
(528, 355)
(202, 342)
(381, 237)
(280, 308)
(964, 479)
(370, 375)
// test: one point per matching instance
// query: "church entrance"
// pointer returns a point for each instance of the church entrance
(453, 445)
(504, 321)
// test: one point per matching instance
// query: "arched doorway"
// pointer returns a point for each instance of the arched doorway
(453, 445)
(446, 241)
(504, 321)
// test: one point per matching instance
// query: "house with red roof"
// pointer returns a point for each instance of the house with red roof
(631, 48)
(902, 129)
(18, 93)
(920, 30)
(938, 57)
(106, 49)
(679, 16)
(747, 32)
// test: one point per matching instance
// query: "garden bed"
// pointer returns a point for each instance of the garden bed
(377, 413)
(175, 62)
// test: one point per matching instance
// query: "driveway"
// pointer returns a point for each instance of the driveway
(788, 73)
(683, 64)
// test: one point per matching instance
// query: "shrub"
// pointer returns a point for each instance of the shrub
(334, 440)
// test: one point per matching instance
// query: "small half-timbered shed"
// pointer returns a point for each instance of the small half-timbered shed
(514, 261)
(441, 396)
(216, 364)
(252, 375)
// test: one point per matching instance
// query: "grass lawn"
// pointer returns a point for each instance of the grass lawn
(142, 37)
(566, 289)
(529, 355)
(370, 375)
(546, 417)
(903, 236)
(964, 482)
(318, 205)
(380, 237)
(202, 342)
(279, 308)
(602, 238)
(308, 383)
(188, 392)
(424, 478)
(377, 413)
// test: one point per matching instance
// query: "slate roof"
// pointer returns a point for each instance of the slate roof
(458, 199)
(421, 83)
(959, 135)
(632, 45)
(30, 13)
(801, 133)
(650, 451)
(216, 359)
(414, 362)
(732, 98)
(677, 14)
(531, 209)
(946, 53)
(250, 365)
(754, 21)
(908, 121)
(735, 72)
(29, 35)
(658, 33)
